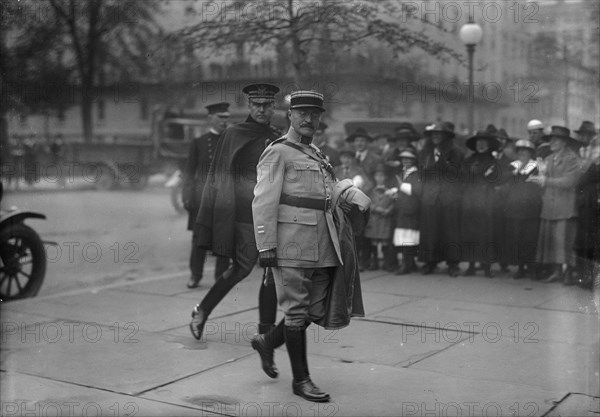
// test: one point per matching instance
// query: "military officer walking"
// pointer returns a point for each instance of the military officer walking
(297, 236)
(202, 150)
(224, 222)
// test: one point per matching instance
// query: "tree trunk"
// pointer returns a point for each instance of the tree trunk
(86, 117)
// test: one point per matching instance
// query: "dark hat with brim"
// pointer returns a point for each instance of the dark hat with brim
(442, 128)
(563, 133)
(586, 127)
(502, 134)
(306, 99)
(221, 108)
(261, 93)
(408, 153)
(492, 140)
(360, 132)
(406, 134)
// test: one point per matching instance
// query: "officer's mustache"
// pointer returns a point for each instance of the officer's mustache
(307, 125)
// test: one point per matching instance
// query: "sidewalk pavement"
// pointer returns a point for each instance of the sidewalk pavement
(428, 346)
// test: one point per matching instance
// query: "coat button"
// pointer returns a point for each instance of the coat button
(295, 219)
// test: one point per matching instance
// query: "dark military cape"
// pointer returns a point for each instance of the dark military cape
(215, 223)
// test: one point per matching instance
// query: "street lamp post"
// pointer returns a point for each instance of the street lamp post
(470, 34)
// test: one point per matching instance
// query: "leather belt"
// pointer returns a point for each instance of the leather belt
(306, 202)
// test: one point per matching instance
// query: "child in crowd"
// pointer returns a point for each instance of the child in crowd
(406, 233)
(380, 226)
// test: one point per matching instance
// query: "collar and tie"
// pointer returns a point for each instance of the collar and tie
(361, 155)
(436, 155)
(305, 140)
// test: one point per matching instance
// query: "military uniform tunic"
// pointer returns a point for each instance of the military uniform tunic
(305, 239)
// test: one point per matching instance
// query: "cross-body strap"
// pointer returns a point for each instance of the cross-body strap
(322, 160)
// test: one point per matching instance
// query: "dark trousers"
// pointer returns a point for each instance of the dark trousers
(198, 258)
(244, 259)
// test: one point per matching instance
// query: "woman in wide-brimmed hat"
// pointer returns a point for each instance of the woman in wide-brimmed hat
(480, 174)
(440, 162)
(522, 203)
(405, 136)
(558, 177)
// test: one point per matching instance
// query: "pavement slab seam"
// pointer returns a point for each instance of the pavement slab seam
(210, 368)
(597, 313)
(108, 286)
(430, 355)
(411, 299)
(558, 403)
(132, 396)
(8, 372)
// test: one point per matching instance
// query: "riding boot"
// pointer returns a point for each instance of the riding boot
(295, 342)
(265, 344)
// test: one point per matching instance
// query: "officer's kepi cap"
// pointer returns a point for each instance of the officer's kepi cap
(261, 93)
(305, 98)
(222, 109)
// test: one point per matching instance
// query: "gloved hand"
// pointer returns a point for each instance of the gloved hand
(268, 258)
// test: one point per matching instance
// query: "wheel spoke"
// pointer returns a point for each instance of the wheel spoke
(23, 273)
(18, 284)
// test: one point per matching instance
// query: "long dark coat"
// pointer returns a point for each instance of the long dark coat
(344, 299)
(440, 203)
(523, 204)
(587, 244)
(200, 156)
(407, 206)
(479, 175)
(500, 195)
(215, 223)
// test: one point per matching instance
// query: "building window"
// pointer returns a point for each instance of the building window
(144, 109)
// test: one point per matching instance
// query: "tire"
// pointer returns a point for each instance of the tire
(22, 262)
(177, 199)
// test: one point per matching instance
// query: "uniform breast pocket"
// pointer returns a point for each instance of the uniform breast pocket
(302, 177)
(297, 233)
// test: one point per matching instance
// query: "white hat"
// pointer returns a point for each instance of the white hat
(534, 124)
